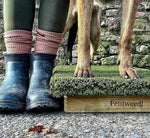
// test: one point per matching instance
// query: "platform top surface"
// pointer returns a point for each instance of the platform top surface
(106, 82)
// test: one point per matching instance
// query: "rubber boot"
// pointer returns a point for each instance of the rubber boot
(39, 96)
(14, 87)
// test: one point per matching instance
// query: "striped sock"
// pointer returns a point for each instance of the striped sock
(47, 42)
(18, 41)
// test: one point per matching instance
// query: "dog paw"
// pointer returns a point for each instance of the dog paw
(84, 72)
(129, 73)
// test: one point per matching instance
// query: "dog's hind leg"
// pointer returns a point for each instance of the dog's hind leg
(71, 40)
(83, 68)
(95, 31)
(72, 16)
(129, 9)
(71, 27)
(70, 22)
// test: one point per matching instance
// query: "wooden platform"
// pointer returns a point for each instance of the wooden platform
(106, 92)
(107, 104)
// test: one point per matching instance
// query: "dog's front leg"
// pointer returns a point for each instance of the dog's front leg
(129, 9)
(83, 68)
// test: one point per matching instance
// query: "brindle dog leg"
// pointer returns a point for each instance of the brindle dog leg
(129, 9)
(83, 68)
(95, 31)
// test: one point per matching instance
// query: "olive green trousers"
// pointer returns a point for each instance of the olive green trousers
(19, 15)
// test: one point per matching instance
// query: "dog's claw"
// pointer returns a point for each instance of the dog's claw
(75, 75)
(126, 77)
(91, 76)
(83, 72)
(129, 73)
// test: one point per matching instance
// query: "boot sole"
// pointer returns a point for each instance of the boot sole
(11, 106)
(42, 105)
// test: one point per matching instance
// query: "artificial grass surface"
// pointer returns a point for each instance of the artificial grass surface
(106, 82)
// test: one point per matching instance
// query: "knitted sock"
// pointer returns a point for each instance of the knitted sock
(18, 41)
(47, 42)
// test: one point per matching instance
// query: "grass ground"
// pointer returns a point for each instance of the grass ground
(106, 82)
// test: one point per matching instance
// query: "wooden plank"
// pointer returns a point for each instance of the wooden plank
(107, 104)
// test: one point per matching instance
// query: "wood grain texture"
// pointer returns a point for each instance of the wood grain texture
(107, 104)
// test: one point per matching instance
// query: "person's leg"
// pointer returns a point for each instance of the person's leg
(18, 21)
(52, 19)
(19, 14)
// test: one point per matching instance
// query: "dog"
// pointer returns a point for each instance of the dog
(87, 14)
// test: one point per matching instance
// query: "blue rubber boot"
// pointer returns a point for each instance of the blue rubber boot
(14, 87)
(39, 96)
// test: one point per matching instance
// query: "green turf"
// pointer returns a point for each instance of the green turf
(105, 82)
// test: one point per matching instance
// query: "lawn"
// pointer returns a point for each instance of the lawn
(106, 82)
